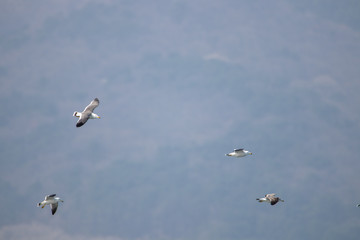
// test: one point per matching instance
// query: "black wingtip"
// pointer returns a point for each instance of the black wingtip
(53, 211)
(79, 124)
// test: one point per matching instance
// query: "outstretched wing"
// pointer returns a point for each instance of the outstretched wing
(82, 120)
(50, 196)
(238, 150)
(54, 207)
(270, 195)
(94, 103)
(274, 200)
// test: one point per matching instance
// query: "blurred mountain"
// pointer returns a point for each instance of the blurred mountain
(180, 84)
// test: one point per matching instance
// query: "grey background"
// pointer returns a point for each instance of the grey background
(180, 84)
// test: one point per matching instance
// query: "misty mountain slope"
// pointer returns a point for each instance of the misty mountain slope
(180, 83)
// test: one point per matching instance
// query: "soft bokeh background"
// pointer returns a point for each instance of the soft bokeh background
(180, 83)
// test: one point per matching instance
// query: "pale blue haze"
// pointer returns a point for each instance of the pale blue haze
(180, 83)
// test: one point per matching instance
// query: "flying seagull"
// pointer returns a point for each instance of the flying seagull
(87, 113)
(270, 198)
(239, 153)
(52, 201)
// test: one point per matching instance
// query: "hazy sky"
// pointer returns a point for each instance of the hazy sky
(180, 83)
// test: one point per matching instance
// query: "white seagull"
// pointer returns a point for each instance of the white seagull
(270, 198)
(239, 153)
(87, 113)
(52, 201)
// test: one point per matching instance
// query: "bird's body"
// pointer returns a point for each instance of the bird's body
(270, 198)
(239, 153)
(51, 200)
(87, 113)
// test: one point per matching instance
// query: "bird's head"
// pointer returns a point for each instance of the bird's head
(248, 153)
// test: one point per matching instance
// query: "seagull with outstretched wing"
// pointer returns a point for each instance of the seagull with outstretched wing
(240, 152)
(51, 200)
(87, 113)
(270, 198)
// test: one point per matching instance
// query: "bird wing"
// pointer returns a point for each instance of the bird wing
(83, 119)
(274, 200)
(270, 195)
(54, 207)
(94, 103)
(50, 196)
(238, 150)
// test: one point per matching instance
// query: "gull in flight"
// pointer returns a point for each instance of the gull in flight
(51, 200)
(270, 198)
(239, 153)
(87, 113)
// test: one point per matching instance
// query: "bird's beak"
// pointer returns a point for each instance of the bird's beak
(98, 117)
(251, 153)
